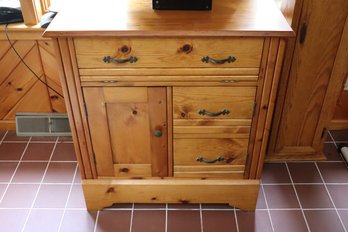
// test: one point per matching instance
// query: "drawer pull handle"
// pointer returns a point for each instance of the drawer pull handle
(229, 59)
(204, 112)
(108, 59)
(201, 159)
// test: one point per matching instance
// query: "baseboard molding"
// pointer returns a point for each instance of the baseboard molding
(338, 125)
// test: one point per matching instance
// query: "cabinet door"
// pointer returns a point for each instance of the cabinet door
(128, 130)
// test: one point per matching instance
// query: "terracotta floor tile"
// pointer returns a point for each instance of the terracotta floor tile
(64, 152)
(344, 217)
(30, 172)
(334, 172)
(257, 221)
(114, 220)
(313, 196)
(12, 220)
(340, 135)
(6, 170)
(2, 189)
(149, 221)
(2, 134)
(304, 173)
(288, 221)
(60, 173)
(183, 206)
(78, 221)
(11, 151)
(149, 206)
(11, 136)
(76, 199)
(339, 194)
(328, 137)
(261, 203)
(323, 220)
(217, 206)
(331, 153)
(52, 196)
(275, 173)
(19, 196)
(38, 151)
(280, 197)
(184, 221)
(44, 138)
(77, 179)
(65, 139)
(43, 220)
(222, 221)
(121, 206)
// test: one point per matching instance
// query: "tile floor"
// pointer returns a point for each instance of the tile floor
(40, 190)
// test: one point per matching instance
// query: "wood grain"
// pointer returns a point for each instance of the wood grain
(240, 193)
(187, 102)
(137, 18)
(168, 52)
(312, 64)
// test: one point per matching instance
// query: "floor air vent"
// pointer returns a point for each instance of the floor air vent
(42, 124)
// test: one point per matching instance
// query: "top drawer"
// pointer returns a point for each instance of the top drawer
(168, 52)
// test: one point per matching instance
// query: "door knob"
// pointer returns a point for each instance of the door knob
(157, 133)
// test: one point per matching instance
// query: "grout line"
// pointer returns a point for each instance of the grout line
(332, 139)
(236, 219)
(201, 217)
(14, 172)
(96, 221)
(131, 220)
(166, 222)
(67, 200)
(39, 188)
(3, 137)
(267, 207)
(298, 199)
(333, 203)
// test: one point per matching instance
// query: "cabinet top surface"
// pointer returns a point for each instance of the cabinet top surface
(137, 18)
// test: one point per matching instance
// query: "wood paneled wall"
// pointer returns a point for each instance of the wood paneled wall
(308, 88)
(20, 90)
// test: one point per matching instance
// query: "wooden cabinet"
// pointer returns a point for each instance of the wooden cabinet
(172, 112)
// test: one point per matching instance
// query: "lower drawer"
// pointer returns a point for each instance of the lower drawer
(210, 151)
(210, 157)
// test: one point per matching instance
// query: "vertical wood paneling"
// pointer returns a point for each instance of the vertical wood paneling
(296, 124)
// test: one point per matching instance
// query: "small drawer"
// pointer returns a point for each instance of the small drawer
(167, 52)
(209, 158)
(213, 102)
(210, 151)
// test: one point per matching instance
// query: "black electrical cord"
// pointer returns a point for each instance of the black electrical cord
(19, 56)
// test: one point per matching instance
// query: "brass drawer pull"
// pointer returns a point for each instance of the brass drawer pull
(204, 112)
(108, 59)
(201, 159)
(229, 59)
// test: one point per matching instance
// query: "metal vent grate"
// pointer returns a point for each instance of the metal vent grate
(42, 124)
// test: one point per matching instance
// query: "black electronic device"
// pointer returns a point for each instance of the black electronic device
(10, 15)
(182, 4)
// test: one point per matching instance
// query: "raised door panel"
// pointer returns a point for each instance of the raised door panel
(128, 129)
